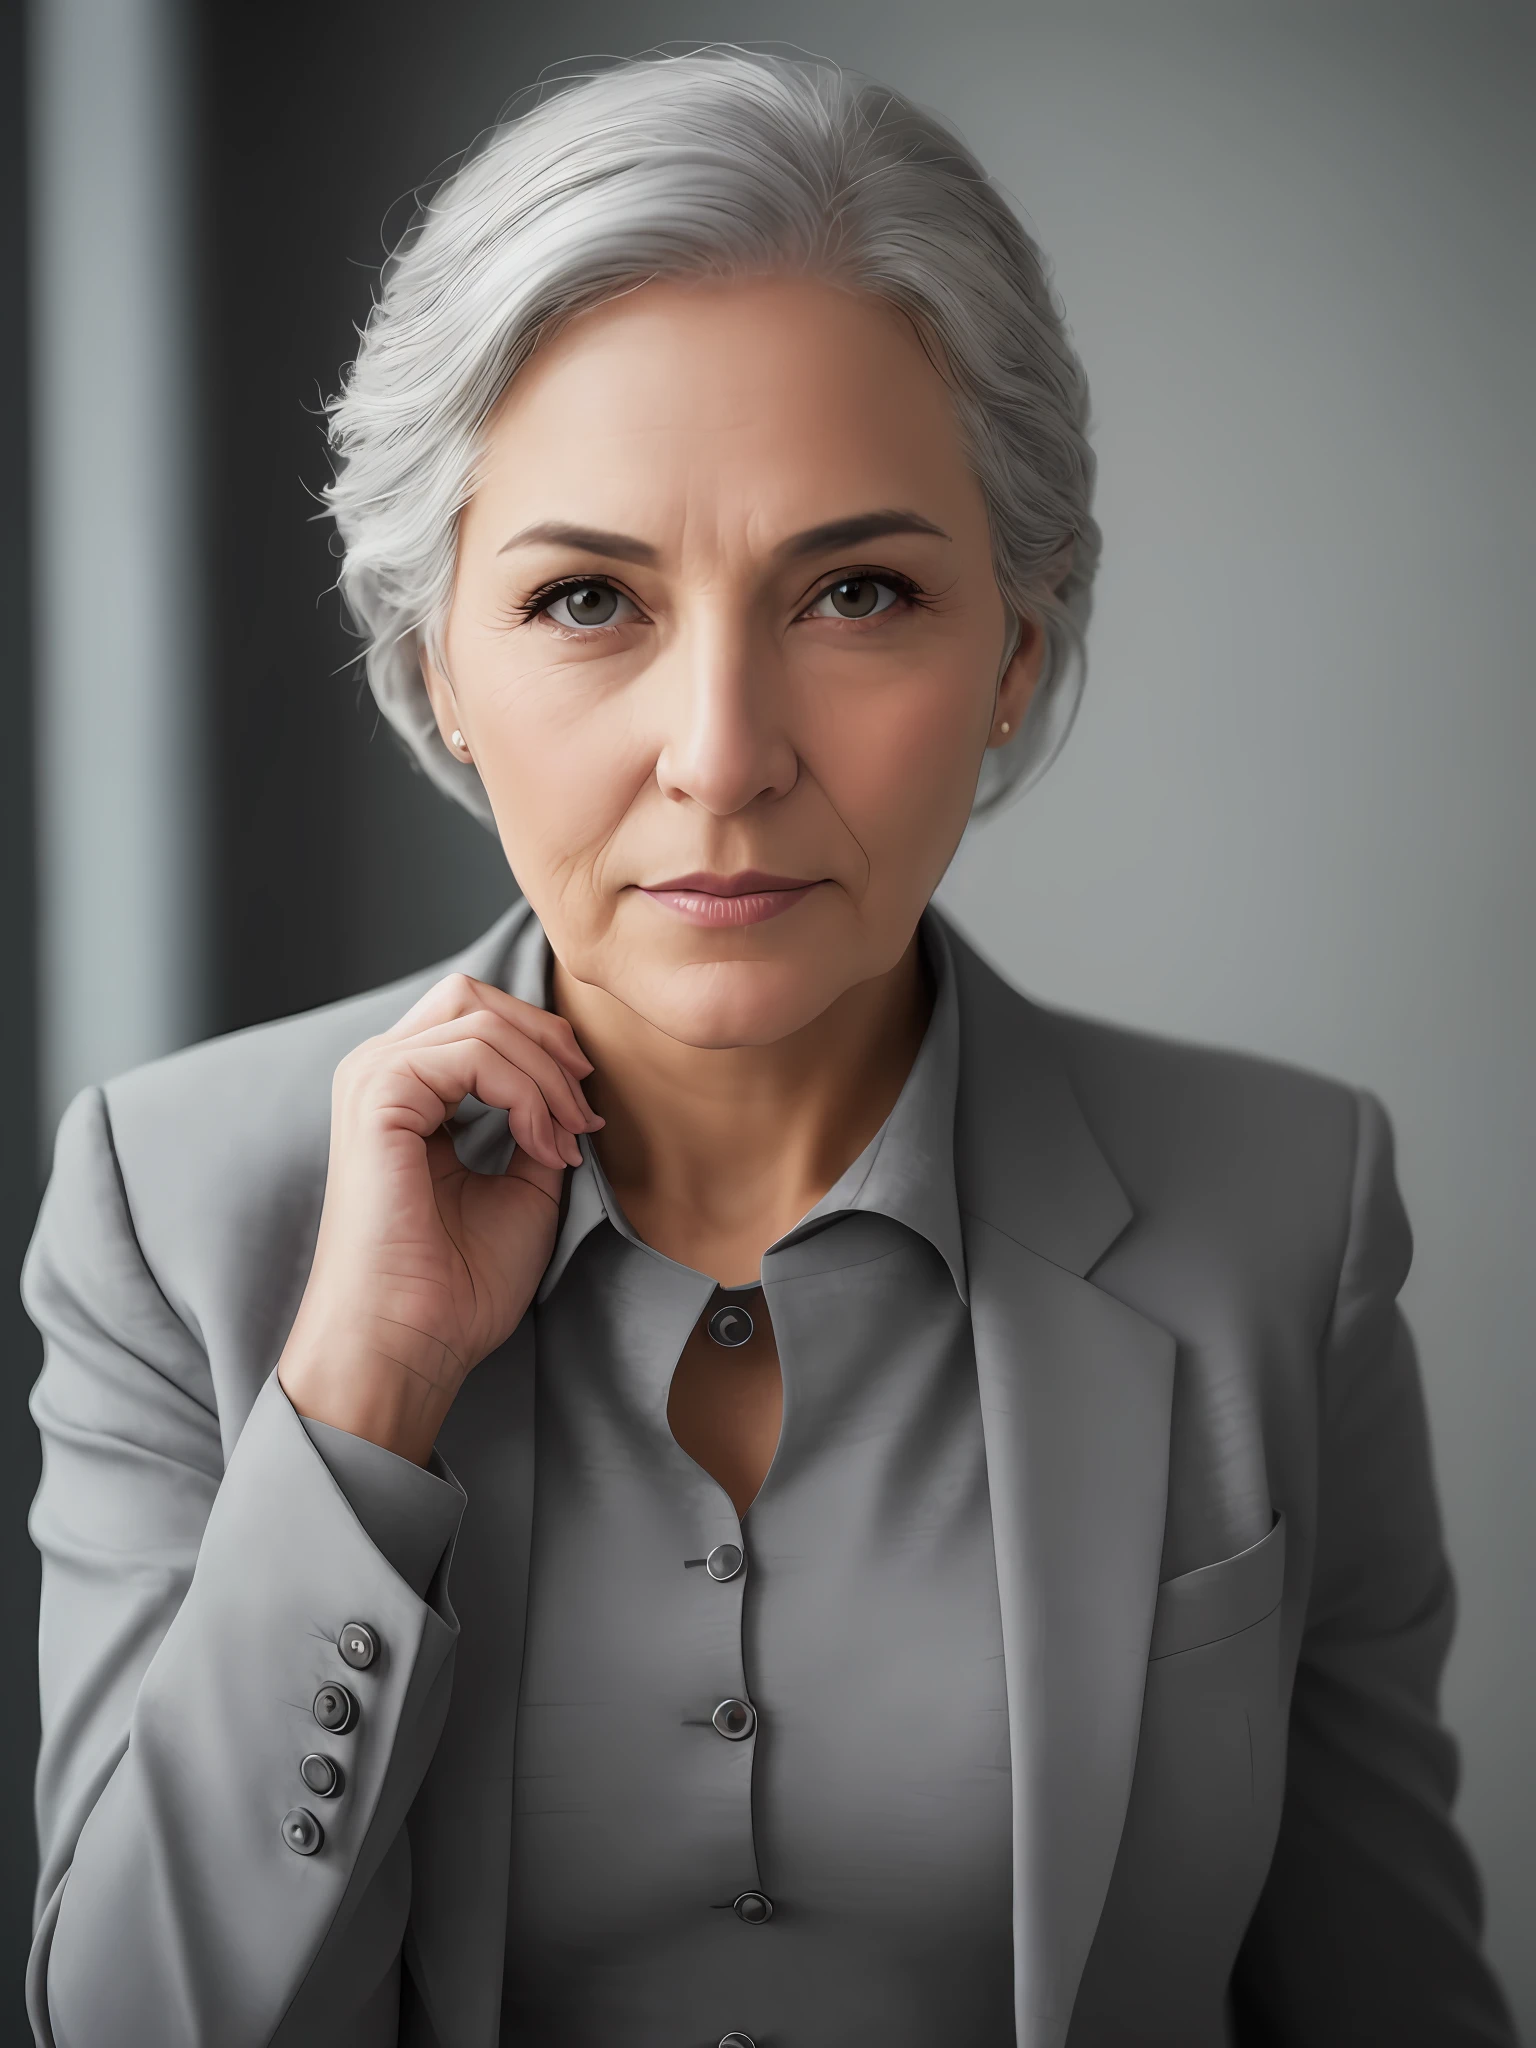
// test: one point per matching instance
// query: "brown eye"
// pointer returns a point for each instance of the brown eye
(855, 597)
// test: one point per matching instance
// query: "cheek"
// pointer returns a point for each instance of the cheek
(905, 754)
(561, 775)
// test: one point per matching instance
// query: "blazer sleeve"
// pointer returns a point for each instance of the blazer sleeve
(1369, 1925)
(409, 1513)
(191, 1612)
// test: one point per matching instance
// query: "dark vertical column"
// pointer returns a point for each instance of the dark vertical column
(334, 865)
(20, 1350)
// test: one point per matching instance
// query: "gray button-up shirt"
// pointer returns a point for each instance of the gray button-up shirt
(871, 1802)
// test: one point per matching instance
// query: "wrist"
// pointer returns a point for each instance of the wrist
(385, 1400)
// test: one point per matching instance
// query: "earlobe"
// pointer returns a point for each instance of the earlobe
(1016, 684)
(440, 696)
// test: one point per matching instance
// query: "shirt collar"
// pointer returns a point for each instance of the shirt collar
(906, 1171)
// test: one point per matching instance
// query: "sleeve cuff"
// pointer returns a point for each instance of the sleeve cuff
(408, 1512)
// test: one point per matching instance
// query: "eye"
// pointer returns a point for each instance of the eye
(856, 597)
(587, 604)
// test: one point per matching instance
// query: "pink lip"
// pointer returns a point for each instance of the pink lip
(718, 901)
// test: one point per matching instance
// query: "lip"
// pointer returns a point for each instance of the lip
(718, 902)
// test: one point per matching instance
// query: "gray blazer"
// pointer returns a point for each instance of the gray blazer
(1225, 1601)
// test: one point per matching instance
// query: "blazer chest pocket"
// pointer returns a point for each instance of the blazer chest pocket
(1220, 1600)
(1204, 1809)
(1213, 1712)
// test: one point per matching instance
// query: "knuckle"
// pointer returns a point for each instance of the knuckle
(352, 1063)
(460, 987)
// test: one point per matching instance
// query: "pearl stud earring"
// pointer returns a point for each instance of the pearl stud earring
(456, 739)
(1005, 726)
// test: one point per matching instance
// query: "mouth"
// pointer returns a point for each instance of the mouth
(718, 902)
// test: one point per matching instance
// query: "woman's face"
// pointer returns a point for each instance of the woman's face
(725, 646)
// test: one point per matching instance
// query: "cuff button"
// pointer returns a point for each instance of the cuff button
(358, 1645)
(302, 1832)
(321, 1775)
(335, 1709)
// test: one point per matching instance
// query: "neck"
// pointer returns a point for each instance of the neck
(715, 1153)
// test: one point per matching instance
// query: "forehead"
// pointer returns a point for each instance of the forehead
(764, 400)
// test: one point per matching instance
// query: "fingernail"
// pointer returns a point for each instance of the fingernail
(595, 1122)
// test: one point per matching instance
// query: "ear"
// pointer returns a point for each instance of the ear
(1016, 686)
(1019, 680)
(440, 696)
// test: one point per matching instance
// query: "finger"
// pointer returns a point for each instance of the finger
(545, 1178)
(416, 1086)
(562, 1093)
(457, 995)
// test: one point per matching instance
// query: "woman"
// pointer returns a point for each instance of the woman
(729, 1478)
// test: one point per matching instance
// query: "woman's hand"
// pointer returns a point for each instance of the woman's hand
(421, 1267)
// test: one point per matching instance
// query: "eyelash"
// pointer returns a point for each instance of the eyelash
(532, 607)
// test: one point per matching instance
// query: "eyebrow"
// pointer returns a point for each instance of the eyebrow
(816, 540)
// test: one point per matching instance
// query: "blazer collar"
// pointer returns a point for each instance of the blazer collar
(1025, 1159)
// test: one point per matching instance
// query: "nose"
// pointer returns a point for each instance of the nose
(726, 743)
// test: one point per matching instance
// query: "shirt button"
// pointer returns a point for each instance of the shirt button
(735, 1720)
(321, 1775)
(737, 2041)
(724, 1561)
(753, 1908)
(730, 1327)
(335, 1709)
(358, 1645)
(302, 1832)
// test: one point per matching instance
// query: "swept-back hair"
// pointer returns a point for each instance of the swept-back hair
(721, 162)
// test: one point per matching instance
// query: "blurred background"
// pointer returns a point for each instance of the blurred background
(1293, 241)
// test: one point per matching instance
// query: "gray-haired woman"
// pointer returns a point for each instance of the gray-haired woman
(713, 1473)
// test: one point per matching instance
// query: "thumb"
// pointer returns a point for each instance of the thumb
(547, 1179)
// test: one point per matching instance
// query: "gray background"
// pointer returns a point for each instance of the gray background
(1294, 247)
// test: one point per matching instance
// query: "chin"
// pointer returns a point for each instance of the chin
(718, 1004)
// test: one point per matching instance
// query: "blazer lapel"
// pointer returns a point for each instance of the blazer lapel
(1076, 1393)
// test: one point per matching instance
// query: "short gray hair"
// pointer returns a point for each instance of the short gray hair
(720, 162)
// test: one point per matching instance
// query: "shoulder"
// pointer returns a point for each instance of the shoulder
(1296, 1167)
(1165, 1105)
(1225, 1156)
(266, 1088)
(219, 1150)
